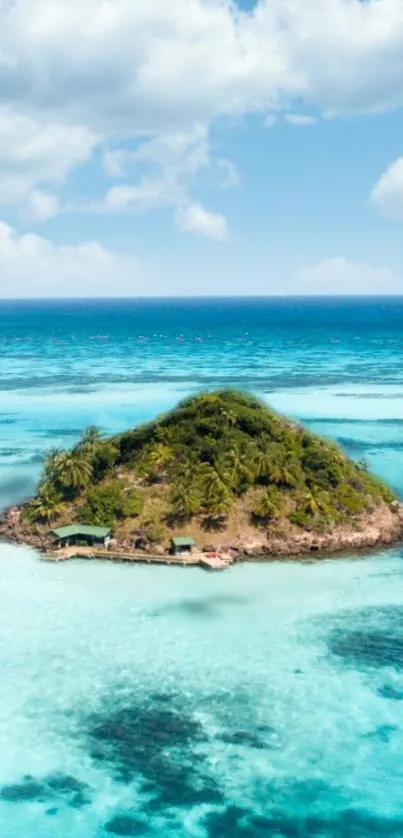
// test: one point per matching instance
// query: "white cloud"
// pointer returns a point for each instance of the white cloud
(339, 276)
(35, 152)
(300, 119)
(171, 164)
(109, 75)
(40, 206)
(195, 219)
(32, 266)
(151, 66)
(387, 193)
(148, 194)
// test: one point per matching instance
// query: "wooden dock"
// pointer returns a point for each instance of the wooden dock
(214, 562)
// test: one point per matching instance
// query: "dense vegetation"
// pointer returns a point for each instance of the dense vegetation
(213, 454)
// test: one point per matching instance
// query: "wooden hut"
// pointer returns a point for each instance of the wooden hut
(81, 534)
(182, 545)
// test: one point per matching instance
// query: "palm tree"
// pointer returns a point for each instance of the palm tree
(264, 454)
(160, 456)
(47, 504)
(90, 439)
(219, 501)
(322, 500)
(216, 490)
(214, 478)
(309, 504)
(236, 466)
(270, 505)
(185, 469)
(73, 470)
(185, 500)
(52, 460)
(315, 502)
(284, 472)
(228, 417)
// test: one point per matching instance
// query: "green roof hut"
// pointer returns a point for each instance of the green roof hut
(182, 545)
(81, 534)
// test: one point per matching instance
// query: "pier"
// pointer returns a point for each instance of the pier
(216, 562)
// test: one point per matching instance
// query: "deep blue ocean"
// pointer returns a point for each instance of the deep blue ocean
(265, 701)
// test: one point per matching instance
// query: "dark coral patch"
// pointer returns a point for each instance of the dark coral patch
(157, 745)
(234, 822)
(27, 790)
(372, 638)
(231, 822)
(65, 783)
(387, 691)
(243, 737)
(60, 787)
(126, 825)
(78, 801)
(160, 696)
(383, 732)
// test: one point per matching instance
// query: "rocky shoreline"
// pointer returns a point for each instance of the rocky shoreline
(382, 527)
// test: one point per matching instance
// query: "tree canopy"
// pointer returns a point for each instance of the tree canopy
(213, 451)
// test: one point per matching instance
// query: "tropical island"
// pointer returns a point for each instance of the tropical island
(221, 471)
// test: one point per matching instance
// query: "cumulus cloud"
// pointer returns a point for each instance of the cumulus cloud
(196, 219)
(32, 266)
(149, 193)
(34, 151)
(387, 193)
(171, 164)
(339, 276)
(151, 65)
(84, 75)
(168, 164)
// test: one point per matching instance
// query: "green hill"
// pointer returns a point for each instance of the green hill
(219, 461)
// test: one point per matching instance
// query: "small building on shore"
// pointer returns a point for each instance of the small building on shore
(182, 545)
(82, 535)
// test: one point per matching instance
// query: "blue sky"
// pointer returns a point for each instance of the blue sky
(201, 147)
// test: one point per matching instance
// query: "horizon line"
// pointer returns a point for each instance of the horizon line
(201, 297)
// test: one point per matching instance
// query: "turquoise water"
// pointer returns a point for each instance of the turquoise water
(266, 701)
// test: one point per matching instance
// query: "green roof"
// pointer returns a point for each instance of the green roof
(81, 529)
(183, 541)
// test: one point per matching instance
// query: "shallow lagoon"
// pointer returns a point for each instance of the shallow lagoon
(266, 701)
(263, 701)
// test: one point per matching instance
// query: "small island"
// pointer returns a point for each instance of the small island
(220, 475)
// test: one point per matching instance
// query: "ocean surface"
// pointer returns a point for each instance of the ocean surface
(265, 701)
